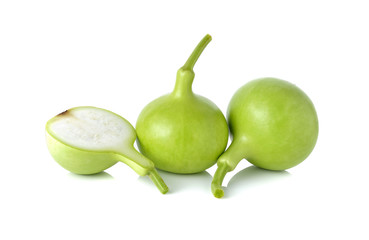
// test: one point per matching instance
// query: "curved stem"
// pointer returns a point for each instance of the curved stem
(158, 181)
(185, 74)
(216, 184)
(142, 166)
(196, 53)
(227, 162)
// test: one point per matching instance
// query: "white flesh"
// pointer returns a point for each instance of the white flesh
(92, 129)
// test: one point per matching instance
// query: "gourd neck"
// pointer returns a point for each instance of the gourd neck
(227, 162)
(185, 74)
(184, 82)
(142, 166)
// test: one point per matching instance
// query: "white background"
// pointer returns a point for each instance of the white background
(120, 55)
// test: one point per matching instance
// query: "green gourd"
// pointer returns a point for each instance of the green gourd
(273, 124)
(182, 132)
(88, 140)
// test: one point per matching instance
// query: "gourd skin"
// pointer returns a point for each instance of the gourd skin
(88, 162)
(274, 122)
(182, 133)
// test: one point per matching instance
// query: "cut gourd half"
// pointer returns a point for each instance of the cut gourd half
(88, 140)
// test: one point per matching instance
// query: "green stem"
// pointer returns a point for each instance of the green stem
(142, 166)
(185, 74)
(216, 185)
(227, 162)
(158, 181)
(196, 53)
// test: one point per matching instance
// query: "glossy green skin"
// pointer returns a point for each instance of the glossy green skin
(182, 134)
(77, 160)
(274, 124)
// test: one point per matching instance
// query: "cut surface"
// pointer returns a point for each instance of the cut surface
(92, 128)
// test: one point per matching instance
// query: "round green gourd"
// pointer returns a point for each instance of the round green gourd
(273, 124)
(182, 132)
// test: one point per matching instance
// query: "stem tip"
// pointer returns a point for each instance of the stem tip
(158, 181)
(217, 191)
